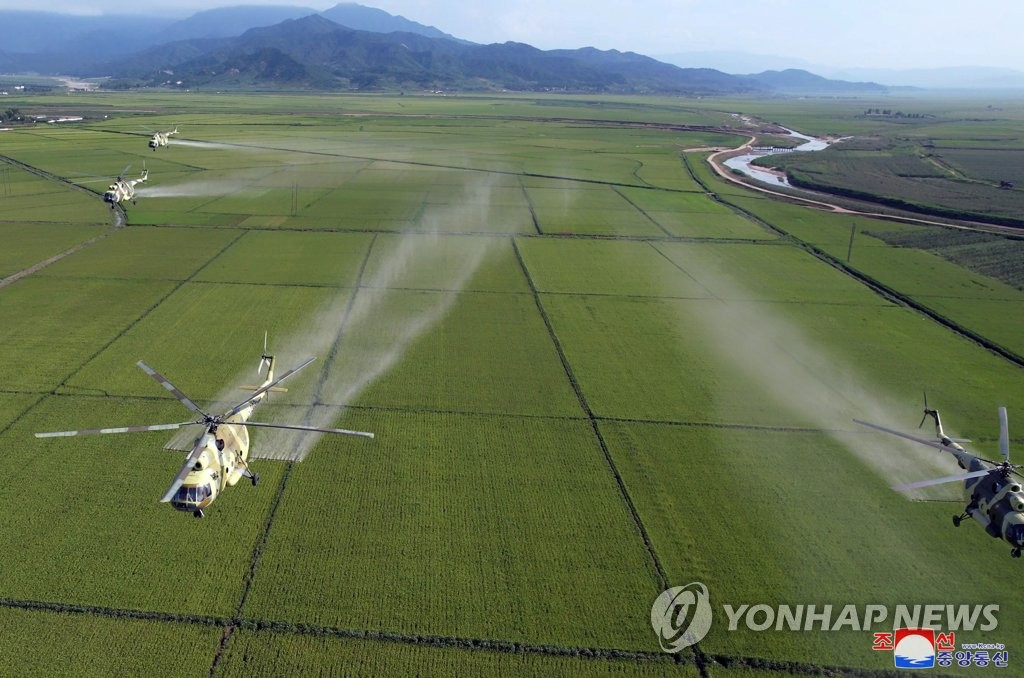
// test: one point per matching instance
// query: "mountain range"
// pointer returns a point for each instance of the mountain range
(962, 77)
(350, 47)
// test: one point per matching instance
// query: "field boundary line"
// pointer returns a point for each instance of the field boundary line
(529, 203)
(581, 417)
(15, 419)
(15, 277)
(678, 267)
(660, 576)
(117, 211)
(885, 291)
(31, 169)
(463, 643)
(118, 216)
(641, 210)
(257, 553)
(153, 307)
(63, 382)
(463, 168)
(899, 298)
(479, 234)
(332, 354)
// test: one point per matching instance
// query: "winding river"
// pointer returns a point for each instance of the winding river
(742, 162)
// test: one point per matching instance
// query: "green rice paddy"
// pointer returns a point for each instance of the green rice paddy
(594, 371)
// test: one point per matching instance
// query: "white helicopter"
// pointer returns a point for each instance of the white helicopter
(219, 456)
(124, 189)
(161, 138)
(994, 496)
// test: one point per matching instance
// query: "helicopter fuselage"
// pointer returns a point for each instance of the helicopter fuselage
(993, 494)
(995, 500)
(161, 138)
(123, 189)
(222, 462)
(118, 191)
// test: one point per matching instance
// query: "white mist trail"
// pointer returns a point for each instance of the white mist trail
(188, 189)
(381, 323)
(816, 385)
(210, 145)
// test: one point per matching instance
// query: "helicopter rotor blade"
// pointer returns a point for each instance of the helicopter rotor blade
(1004, 434)
(944, 479)
(295, 427)
(263, 389)
(160, 379)
(117, 429)
(186, 468)
(925, 416)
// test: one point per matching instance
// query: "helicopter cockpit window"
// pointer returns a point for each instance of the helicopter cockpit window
(1016, 535)
(191, 494)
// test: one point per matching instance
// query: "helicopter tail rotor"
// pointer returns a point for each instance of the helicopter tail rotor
(927, 411)
(939, 433)
(264, 358)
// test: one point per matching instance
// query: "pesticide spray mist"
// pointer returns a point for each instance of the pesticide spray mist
(814, 384)
(197, 189)
(380, 308)
(239, 181)
(213, 145)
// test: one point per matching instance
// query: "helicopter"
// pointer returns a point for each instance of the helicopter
(161, 138)
(219, 456)
(124, 189)
(994, 497)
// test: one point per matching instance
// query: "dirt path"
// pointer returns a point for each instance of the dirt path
(117, 216)
(15, 277)
(715, 160)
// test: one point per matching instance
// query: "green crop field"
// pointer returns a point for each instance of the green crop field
(594, 369)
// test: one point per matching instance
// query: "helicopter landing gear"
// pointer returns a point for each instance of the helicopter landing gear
(1015, 552)
(247, 472)
(958, 519)
(198, 513)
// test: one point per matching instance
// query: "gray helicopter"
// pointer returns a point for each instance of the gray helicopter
(992, 489)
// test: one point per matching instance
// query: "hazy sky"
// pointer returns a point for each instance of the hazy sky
(841, 33)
